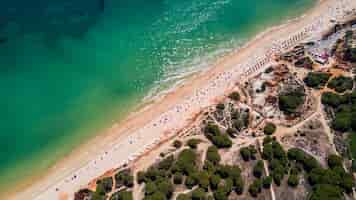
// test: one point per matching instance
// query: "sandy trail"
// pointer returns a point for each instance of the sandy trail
(143, 130)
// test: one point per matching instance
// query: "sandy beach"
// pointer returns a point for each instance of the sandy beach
(144, 129)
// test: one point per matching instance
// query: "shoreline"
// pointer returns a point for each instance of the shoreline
(81, 156)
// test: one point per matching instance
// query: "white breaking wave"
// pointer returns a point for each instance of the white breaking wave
(186, 57)
(175, 73)
(191, 14)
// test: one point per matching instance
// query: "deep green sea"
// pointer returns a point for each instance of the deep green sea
(68, 68)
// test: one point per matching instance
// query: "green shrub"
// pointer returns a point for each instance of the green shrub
(326, 191)
(198, 194)
(293, 180)
(347, 182)
(97, 196)
(193, 143)
(310, 163)
(203, 180)
(224, 171)
(122, 195)
(212, 129)
(353, 118)
(124, 178)
(245, 153)
(153, 173)
(342, 121)
(186, 162)
(255, 188)
(214, 181)
(334, 100)
(274, 150)
(296, 154)
(334, 161)
(290, 101)
(239, 186)
(220, 106)
(279, 153)
(212, 155)
(258, 169)
(106, 184)
(228, 172)
(274, 163)
(267, 139)
(278, 161)
(191, 181)
(158, 189)
(235, 173)
(183, 197)
(295, 170)
(228, 185)
(178, 178)
(100, 193)
(150, 188)
(267, 153)
(278, 174)
(266, 182)
(220, 194)
(212, 132)
(166, 163)
(269, 129)
(221, 141)
(352, 144)
(223, 190)
(166, 187)
(353, 166)
(330, 99)
(325, 176)
(235, 96)
(141, 177)
(156, 196)
(209, 167)
(248, 153)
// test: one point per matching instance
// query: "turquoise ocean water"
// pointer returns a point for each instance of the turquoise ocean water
(69, 68)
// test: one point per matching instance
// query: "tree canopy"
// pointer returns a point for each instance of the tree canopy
(291, 100)
(234, 96)
(341, 84)
(316, 79)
